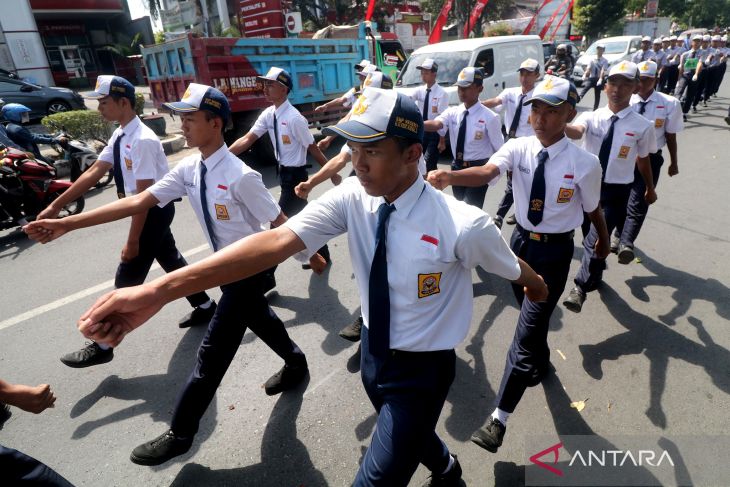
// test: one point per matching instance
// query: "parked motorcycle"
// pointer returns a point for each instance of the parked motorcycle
(33, 185)
(81, 156)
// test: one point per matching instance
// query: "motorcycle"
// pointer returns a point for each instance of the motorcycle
(31, 182)
(81, 157)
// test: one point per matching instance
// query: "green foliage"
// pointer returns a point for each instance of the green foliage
(461, 10)
(80, 124)
(595, 17)
(159, 36)
(697, 13)
(499, 29)
(139, 104)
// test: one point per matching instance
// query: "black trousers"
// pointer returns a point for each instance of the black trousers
(587, 85)
(668, 79)
(242, 305)
(10, 203)
(689, 87)
(289, 202)
(431, 150)
(614, 199)
(637, 208)
(701, 85)
(507, 199)
(17, 468)
(155, 243)
(473, 196)
(529, 354)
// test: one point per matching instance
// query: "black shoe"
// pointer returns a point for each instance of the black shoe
(353, 331)
(198, 316)
(684, 117)
(574, 301)
(511, 220)
(694, 109)
(498, 221)
(287, 378)
(4, 414)
(615, 242)
(91, 354)
(727, 120)
(163, 448)
(625, 255)
(490, 437)
(448, 479)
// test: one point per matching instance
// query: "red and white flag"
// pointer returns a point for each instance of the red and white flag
(476, 12)
(440, 23)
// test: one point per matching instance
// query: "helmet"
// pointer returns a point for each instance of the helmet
(15, 112)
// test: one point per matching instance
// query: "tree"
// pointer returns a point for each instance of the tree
(594, 17)
(461, 10)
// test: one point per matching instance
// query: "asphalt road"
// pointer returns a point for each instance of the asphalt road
(648, 354)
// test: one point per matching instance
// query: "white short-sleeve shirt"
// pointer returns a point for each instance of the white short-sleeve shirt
(641, 56)
(510, 98)
(433, 242)
(633, 136)
(664, 111)
(349, 97)
(294, 136)
(483, 130)
(596, 65)
(238, 202)
(141, 154)
(438, 100)
(572, 182)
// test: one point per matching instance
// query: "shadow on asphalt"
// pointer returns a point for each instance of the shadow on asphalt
(153, 395)
(13, 243)
(285, 460)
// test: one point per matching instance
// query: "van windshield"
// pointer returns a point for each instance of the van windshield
(449, 63)
(617, 47)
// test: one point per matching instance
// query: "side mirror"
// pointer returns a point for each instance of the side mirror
(26, 88)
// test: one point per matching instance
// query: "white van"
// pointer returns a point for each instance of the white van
(500, 57)
(617, 49)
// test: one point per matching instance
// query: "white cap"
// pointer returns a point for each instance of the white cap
(561, 46)
(658, 40)
(646, 39)
(647, 69)
(362, 63)
(626, 69)
(716, 37)
(529, 64)
(378, 79)
(428, 64)
(706, 37)
(555, 91)
(469, 76)
(723, 38)
(665, 39)
(600, 46)
(370, 68)
(672, 38)
(697, 37)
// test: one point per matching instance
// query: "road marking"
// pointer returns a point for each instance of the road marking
(79, 295)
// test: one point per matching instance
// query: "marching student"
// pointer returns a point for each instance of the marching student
(231, 202)
(595, 75)
(432, 100)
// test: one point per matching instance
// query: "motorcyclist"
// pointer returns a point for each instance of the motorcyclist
(7, 200)
(561, 64)
(17, 115)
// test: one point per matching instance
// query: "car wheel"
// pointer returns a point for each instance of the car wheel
(57, 106)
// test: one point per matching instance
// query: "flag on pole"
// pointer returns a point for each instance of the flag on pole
(371, 8)
(534, 17)
(440, 23)
(565, 14)
(474, 17)
(547, 25)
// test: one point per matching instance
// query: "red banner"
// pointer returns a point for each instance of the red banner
(565, 14)
(440, 23)
(371, 8)
(547, 25)
(534, 18)
(474, 17)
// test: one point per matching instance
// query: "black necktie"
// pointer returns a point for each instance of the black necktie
(276, 140)
(379, 295)
(516, 120)
(460, 139)
(606, 145)
(425, 104)
(642, 107)
(118, 176)
(204, 205)
(537, 193)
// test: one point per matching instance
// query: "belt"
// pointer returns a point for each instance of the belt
(546, 237)
(465, 164)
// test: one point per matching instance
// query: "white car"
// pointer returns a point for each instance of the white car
(617, 49)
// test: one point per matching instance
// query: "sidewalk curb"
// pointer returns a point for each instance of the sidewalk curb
(173, 143)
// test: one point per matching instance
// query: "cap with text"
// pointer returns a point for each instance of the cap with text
(429, 65)
(111, 85)
(378, 114)
(647, 69)
(529, 64)
(202, 97)
(469, 76)
(378, 79)
(555, 91)
(627, 69)
(278, 74)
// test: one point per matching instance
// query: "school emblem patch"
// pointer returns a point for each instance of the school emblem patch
(548, 85)
(221, 212)
(478, 135)
(128, 163)
(285, 139)
(565, 194)
(428, 284)
(536, 205)
(361, 106)
(623, 153)
(659, 123)
(186, 95)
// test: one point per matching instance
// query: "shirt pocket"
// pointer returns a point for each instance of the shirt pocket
(424, 269)
(226, 210)
(480, 131)
(628, 142)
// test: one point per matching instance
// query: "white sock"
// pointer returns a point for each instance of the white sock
(103, 346)
(450, 465)
(501, 416)
(206, 305)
